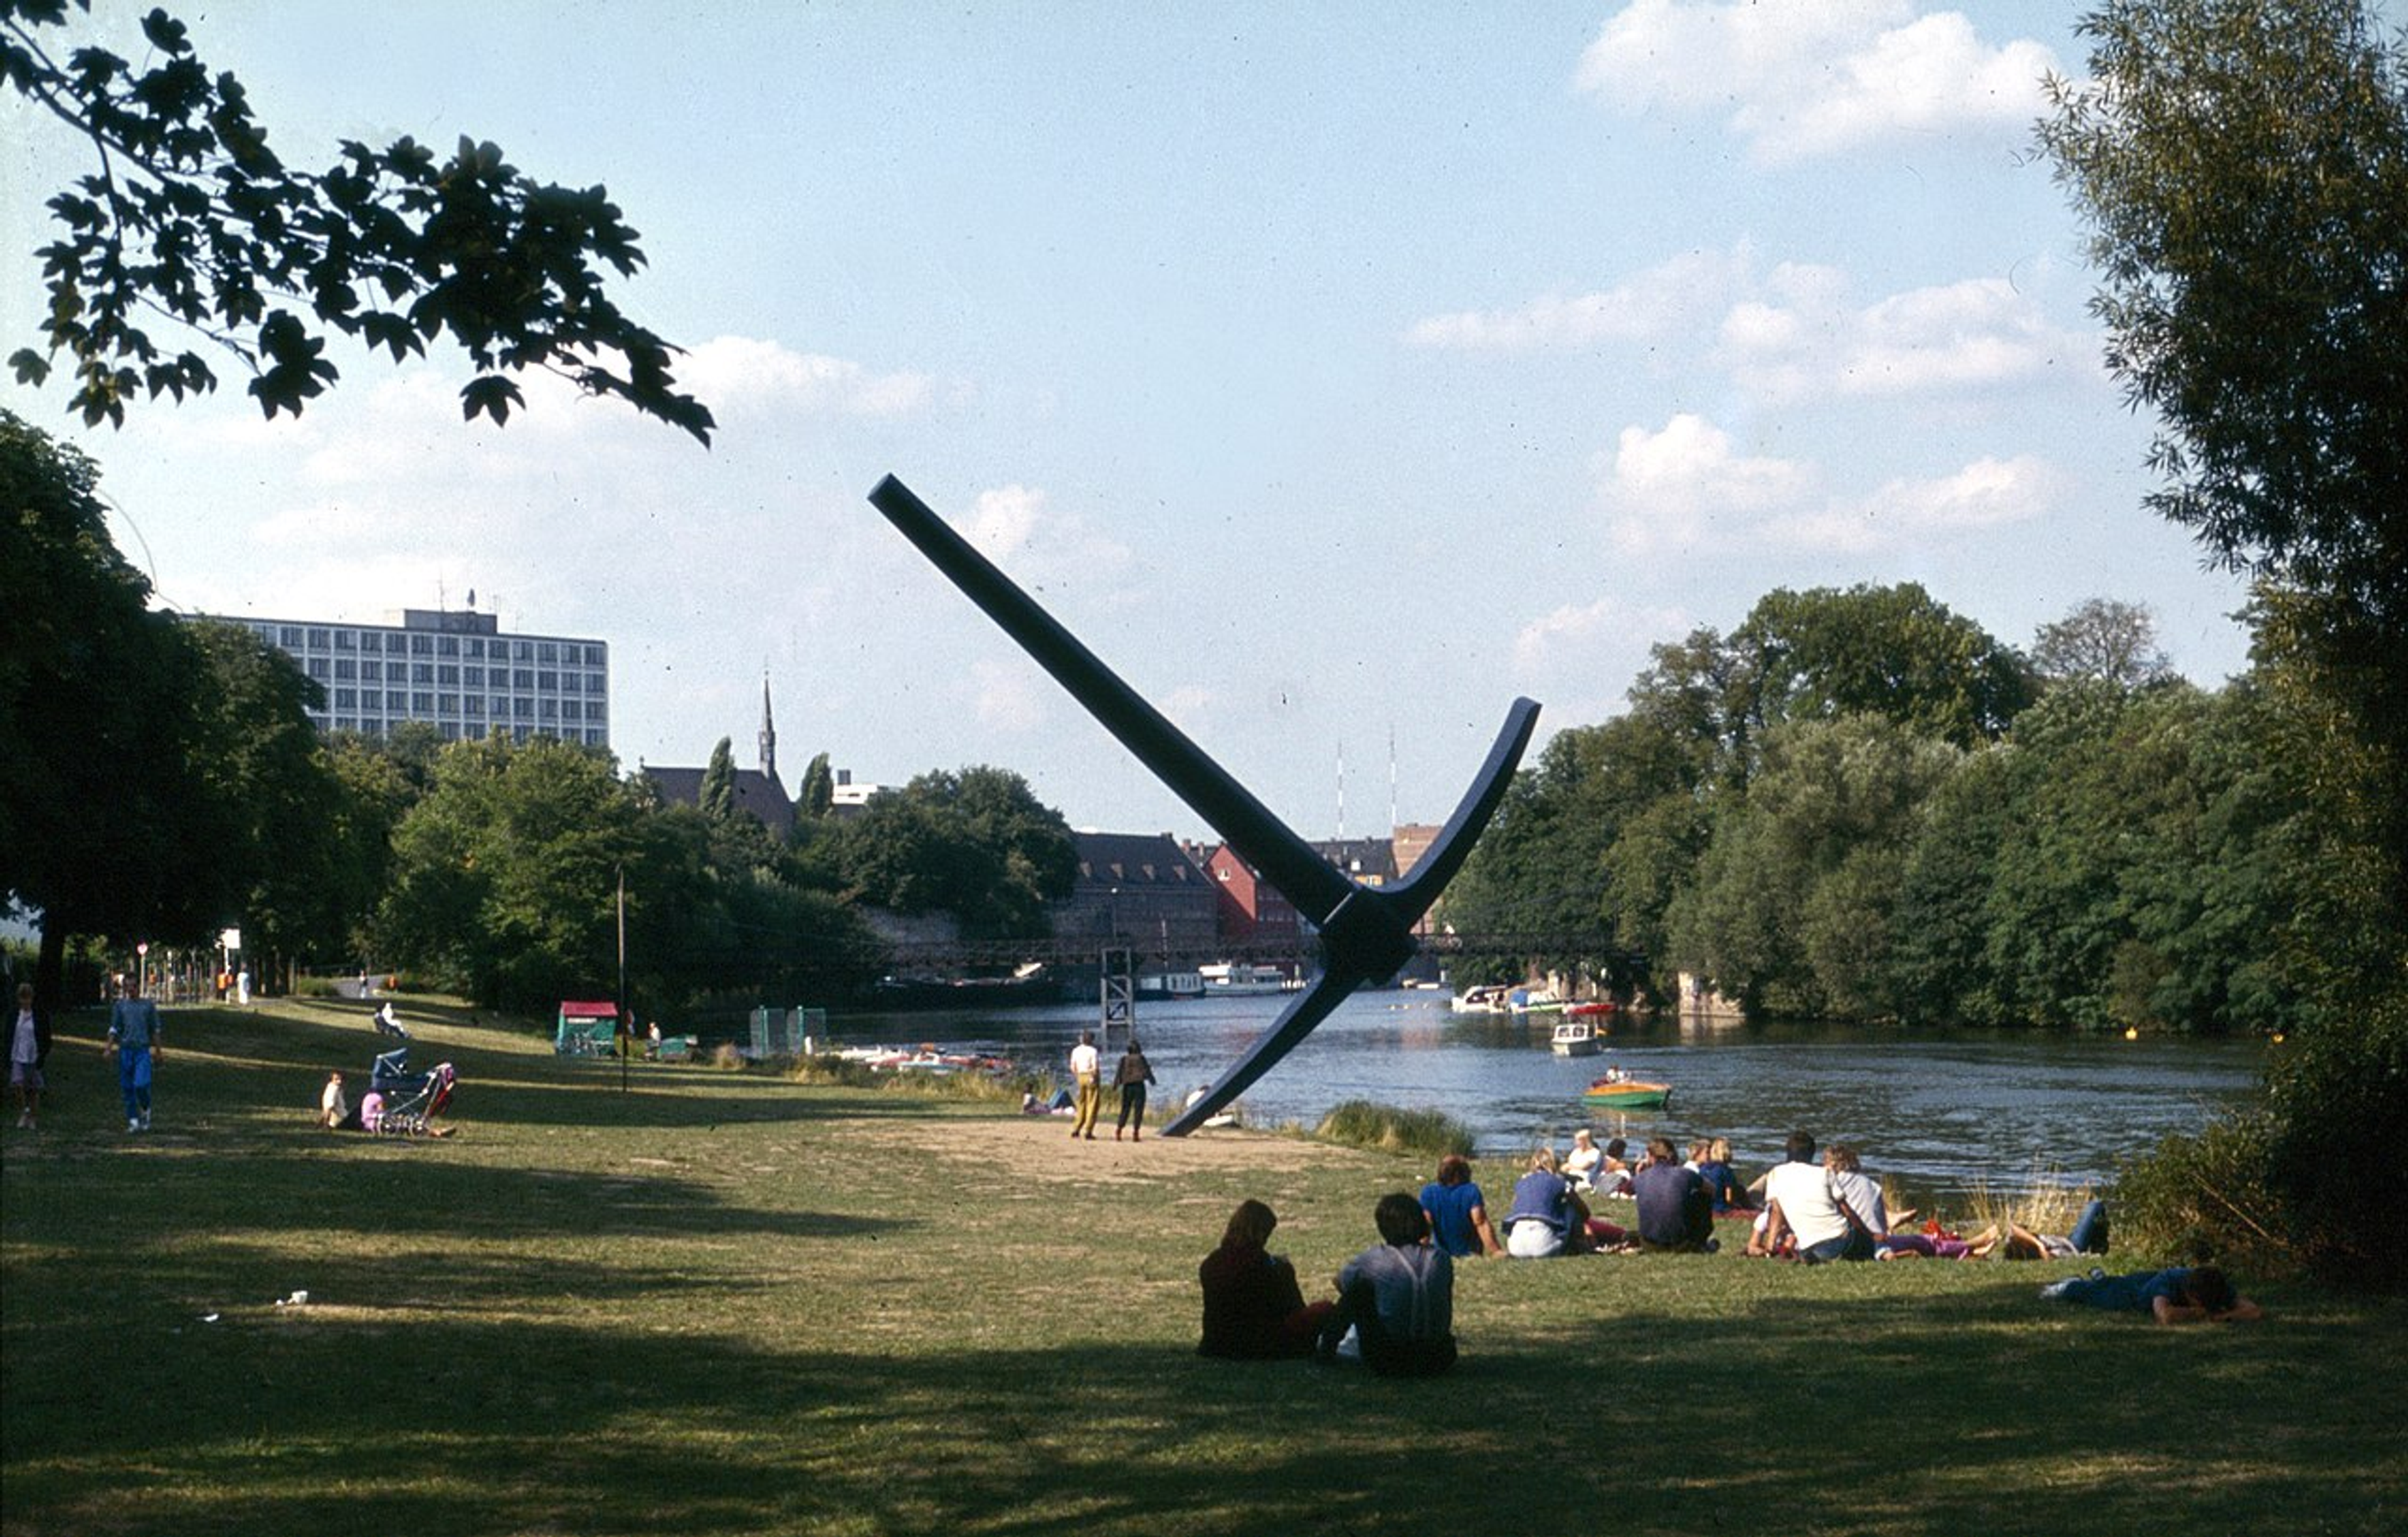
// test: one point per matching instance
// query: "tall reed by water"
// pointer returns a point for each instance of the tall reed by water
(1387, 1128)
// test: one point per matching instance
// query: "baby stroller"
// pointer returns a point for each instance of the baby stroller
(399, 1102)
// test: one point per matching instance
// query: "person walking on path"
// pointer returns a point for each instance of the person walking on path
(29, 1047)
(1087, 1072)
(134, 1041)
(1131, 1077)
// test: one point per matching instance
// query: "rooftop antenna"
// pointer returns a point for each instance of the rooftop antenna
(1392, 778)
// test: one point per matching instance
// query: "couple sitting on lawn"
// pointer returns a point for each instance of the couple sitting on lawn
(1396, 1299)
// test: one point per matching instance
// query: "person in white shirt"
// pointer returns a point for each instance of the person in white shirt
(1087, 1071)
(1798, 1201)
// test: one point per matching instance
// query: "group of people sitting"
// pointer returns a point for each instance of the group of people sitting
(1804, 1210)
(1394, 1310)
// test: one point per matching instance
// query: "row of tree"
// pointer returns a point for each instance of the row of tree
(160, 780)
(1860, 805)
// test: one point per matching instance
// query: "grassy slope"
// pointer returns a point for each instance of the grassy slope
(720, 1304)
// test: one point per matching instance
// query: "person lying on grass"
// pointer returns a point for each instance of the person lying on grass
(1396, 1297)
(2184, 1295)
(1253, 1311)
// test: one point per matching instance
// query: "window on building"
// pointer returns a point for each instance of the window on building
(548, 682)
(472, 677)
(421, 704)
(396, 701)
(288, 636)
(347, 699)
(547, 652)
(522, 710)
(596, 739)
(522, 677)
(572, 682)
(346, 640)
(421, 645)
(523, 651)
(371, 672)
(320, 668)
(318, 638)
(551, 710)
(447, 645)
(476, 647)
(451, 730)
(346, 666)
(447, 672)
(447, 704)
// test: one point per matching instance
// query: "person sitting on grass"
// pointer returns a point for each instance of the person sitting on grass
(1860, 1201)
(1716, 1169)
(1458, 1212)
(1548, 1218)
(1585, 1161)
(1253, 1311)
(1398, 1297)
(334, 1106)
(2184, 1295)
(1800, 1206)
(1676, 1210)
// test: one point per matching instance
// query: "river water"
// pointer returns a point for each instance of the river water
(1944, 1114)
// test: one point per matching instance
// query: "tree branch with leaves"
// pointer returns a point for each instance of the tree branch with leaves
(189, 218)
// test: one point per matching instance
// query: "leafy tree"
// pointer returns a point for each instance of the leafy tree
(2104, 639)
(717, 797)
(977, 843)
(98, 824)
(1893, 652)
(506, 875)
(2243, 168)
(189, 214)
(268, 793)
(1791, 911)
(818, 791)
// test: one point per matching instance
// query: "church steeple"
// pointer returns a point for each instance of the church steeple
(768, 731)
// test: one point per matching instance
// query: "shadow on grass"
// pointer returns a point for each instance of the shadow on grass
(287, 1422)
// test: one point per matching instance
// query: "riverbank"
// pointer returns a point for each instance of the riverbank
(718, 1303)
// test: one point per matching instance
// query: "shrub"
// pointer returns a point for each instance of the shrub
(1387, 1128)
(2207, 1197)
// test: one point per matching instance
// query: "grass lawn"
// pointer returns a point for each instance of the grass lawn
(724, 1303)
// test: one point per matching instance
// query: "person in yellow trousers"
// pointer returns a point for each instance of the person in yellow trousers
(1087, 1069)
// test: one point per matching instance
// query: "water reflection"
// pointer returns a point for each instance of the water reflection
(1943, 1113)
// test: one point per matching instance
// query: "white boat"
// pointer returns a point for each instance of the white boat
(1479, 1000)
(1574, 1037)
(1224, 979)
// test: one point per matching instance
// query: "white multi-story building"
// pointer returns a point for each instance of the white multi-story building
(455, 672)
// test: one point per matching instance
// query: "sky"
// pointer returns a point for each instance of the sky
(1337, 373)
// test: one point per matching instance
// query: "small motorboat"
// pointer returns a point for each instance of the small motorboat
(1574, 1037)
(1616, 1091)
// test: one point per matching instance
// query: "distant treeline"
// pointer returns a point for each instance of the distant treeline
(1859, 805)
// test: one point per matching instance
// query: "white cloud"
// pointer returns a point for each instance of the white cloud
(1986, 494)
(742, 375)
(1577, 634)
(1655, 302)
(1806, 77)
(1666, 489)
(1974, 335)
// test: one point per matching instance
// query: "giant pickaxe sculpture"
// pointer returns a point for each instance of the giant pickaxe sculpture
(1367, 933)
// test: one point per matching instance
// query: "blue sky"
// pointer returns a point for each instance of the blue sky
(1336, 372)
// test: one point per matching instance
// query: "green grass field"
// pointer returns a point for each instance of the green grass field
(721, 1302)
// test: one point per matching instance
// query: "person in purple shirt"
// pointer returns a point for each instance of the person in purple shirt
(1676, 1209)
